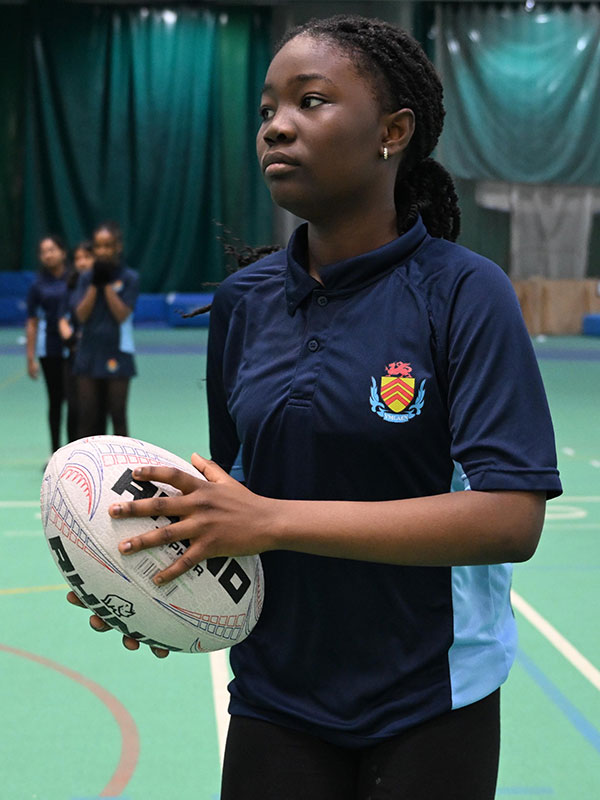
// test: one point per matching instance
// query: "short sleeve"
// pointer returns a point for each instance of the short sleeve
(224, 442)
(33, 301)
(131, 288)
(500, 423)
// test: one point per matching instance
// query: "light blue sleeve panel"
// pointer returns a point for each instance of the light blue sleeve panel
(40, 342)
(485, 632)
(126, 344)
(128, 292)
(237, 470)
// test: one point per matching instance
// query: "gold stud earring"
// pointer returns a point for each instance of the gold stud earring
(385, 154)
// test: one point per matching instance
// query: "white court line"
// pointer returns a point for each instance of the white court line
(564, 647)
(571, 524)
(573, 499)
(219, 670)
(19, 503)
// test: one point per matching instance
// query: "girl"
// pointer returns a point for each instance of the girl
(104, 362)
(68, 326)
(358, 370)
(44, 344)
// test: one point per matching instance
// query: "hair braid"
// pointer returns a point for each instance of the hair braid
(402, 77)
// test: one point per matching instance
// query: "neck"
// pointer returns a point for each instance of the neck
(336, 240)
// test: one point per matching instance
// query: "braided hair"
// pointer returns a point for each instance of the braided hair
(402, 77)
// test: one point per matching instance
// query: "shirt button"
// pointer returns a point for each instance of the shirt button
(313, 345)
(322, 300)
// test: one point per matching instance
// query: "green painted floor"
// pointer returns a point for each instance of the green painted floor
(83, 718)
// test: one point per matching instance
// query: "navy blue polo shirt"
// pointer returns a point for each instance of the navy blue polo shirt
(408, 365)
(44, 302)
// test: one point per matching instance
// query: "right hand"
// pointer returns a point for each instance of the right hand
(33, 368)
(98, 624)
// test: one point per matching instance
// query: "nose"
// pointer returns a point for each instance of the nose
(279, 128)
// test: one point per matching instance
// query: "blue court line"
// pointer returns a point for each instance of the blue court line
(170, 349)
(141, 349)
(575, 717)
(566, 354)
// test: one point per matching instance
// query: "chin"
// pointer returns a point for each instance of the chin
(298, 206)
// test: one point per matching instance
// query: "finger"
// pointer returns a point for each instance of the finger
(160, 536)
(211, 471)
(98, 624)
(159, 652)
(130, 644)
(162, 505)
(184, 481)
(74, 600)
(192, 556)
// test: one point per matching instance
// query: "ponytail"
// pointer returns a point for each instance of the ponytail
(428, 189)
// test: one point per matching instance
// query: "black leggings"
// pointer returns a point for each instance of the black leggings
(452, 757)
(56, 376)
(99, 397)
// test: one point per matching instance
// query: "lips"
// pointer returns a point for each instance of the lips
(276, 161)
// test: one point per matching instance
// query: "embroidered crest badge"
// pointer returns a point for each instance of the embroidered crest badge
(397, 392)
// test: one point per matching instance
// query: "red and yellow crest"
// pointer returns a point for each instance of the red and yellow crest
(398, 386)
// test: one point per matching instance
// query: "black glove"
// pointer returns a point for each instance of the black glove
(102, 272)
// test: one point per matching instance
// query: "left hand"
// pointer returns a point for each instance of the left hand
(98, 624)
(219, 515)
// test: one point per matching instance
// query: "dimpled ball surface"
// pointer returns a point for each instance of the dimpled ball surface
(211, 607)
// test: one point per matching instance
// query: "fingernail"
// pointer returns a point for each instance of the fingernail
(158, 580)
(125, 547)
(115, 509)
(137, 472)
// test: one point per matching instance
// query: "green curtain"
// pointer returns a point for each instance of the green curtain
(522, 92)
(147, 117)
(12, 47)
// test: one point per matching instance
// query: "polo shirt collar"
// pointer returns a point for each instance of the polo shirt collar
(344, 277)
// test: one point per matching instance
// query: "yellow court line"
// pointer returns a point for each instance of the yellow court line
(31, 589)
(12, 379)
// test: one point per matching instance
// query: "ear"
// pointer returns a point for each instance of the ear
(399, 127)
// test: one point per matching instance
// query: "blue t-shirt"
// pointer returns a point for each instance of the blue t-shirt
(44, 302)
(409, 364)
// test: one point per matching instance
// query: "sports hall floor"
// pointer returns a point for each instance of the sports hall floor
(84, 718)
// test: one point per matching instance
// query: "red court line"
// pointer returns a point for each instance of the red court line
(130, 740)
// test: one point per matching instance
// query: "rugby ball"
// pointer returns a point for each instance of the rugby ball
(214, 605)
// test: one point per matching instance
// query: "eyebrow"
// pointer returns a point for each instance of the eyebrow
(302, 78)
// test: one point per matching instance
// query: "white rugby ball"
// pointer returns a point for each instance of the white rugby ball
(212, 606)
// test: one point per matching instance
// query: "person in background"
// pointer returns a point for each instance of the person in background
(69, 327)
(83, 256)
(104, 361)
(358, 369)
(44, 344)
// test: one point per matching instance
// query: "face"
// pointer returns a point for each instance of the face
(83, 260)
(51, 255)
(320, 139)
(106, 246)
